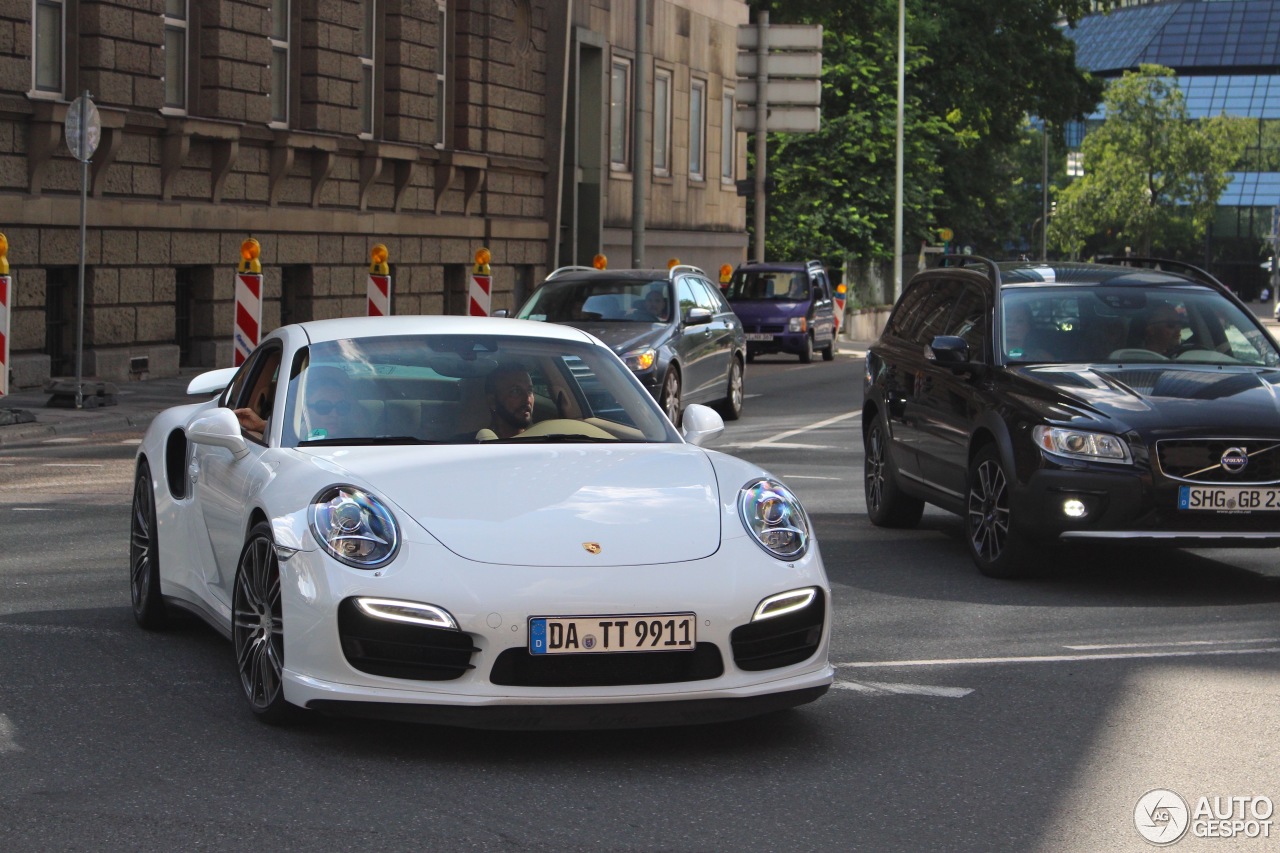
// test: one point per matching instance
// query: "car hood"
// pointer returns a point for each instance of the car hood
(541, 505)
(1169, 398)
(623, 337)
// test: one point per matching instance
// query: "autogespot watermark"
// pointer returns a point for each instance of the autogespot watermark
(1163, 817)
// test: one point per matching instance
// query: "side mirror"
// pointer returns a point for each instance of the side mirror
(950, 352)
(212, 382)
(219, 428)
(700, 424)
(698, 317)
(501, 312)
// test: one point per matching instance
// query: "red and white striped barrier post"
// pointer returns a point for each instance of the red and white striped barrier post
(481, 282)
(379, 282)
(841, 292)
(248, 323)
(6, 298)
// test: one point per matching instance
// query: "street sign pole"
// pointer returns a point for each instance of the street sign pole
(762, 127)
(83, 130)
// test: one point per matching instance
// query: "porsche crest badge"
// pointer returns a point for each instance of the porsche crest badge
(592, 547)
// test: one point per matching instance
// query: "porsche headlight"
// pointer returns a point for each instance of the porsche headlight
(640, 359)
(1092, 446)
(354, 527)
(774, 517)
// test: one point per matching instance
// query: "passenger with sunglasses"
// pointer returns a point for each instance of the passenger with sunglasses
(329, 407)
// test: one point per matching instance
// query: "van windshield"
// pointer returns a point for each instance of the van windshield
(776, 285)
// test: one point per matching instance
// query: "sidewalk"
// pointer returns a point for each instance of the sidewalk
(136, 404)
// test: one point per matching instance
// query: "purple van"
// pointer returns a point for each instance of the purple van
(785, 307)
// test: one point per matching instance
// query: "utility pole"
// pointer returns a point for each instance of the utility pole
(639, 166)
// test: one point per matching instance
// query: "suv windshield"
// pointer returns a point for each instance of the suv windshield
(777, 285)
(1130, 325)
(610, 300)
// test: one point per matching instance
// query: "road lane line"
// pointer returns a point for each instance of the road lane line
(807, 477)
(70, 465)
(1101, 646)
(884, 687)
(7, 730)
(889, 664)
(781, 445)
(819, 425)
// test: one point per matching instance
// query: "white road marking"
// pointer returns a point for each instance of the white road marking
(778, 445)
(60, 630)
(7, 730)
(132, 441)
(807, 477)
(1100, 646)
(31, 509)
(888, 664)
(70, 465)
(810, 427)
(883, 687)
(64, 441)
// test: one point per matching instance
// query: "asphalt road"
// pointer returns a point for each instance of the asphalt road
(969, 714)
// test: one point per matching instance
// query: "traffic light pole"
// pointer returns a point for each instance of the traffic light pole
(762, 128)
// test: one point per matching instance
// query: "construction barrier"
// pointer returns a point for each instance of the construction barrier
(248, 323)
(379, 283)
(6, 291)
(841, 292)
(481, 282)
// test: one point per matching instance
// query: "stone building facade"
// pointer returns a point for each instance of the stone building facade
(324, 127)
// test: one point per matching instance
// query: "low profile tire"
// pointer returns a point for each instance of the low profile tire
(258, 628)
(996, 545)
(144, 555)
(887, 506)
(731, 407)
(829, 351)
(670, 398)
(806, 354)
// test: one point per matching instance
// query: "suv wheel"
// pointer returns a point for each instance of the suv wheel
(996, 545)
(670, 399)
(731, 408)
(829, 351)
(887, 506)
(806, 354)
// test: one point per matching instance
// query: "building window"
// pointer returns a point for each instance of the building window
(620, 116)
(697, 128)
(280, 62)
(175, 54)
(661, 122)
(366, 95)
(442, 79)
(728, 150)
(48, 37)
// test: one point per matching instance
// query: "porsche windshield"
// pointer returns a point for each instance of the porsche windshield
(452, 389)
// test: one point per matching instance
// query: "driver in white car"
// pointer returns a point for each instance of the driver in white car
(510, 392)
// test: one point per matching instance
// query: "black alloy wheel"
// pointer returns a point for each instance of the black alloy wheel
(258, 627)
(731, 408)
(996, 545)
(670, 398)
(806, 354)
(887, 506)
(144, 554)
(829, 351)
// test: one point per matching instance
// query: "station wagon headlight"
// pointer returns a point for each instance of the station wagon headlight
(354, 527)
(774, 518)
(1076, 444)
(640, 359)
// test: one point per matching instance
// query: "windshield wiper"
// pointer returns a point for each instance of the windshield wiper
(366, 441)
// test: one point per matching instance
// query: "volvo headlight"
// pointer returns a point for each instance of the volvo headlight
(774, 517)
(640, 359)
(1076, 444)
(354, 527)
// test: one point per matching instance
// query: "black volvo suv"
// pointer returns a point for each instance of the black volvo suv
(1133, 399)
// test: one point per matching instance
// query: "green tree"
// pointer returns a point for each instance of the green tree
(975, 69)
(1152, 177)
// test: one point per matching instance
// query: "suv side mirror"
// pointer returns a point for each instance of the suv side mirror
(952, 353)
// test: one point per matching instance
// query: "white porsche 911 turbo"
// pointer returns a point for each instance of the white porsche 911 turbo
(477, 522)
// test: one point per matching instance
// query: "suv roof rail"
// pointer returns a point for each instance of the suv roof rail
(1162, 265)
(671, 273)
(952, 259)
(574, 268)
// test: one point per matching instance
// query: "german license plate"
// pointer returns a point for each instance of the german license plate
(646, 632)
(1228, 499)
(759, 336)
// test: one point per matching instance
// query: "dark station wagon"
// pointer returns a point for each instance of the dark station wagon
(1131, 399)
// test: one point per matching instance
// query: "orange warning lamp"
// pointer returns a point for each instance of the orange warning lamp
(482, 261)
(600, 262)
(4, 255)
(250, 249)
(378, 260)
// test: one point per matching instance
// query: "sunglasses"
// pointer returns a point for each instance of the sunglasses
(325, 407)
(1170, 324)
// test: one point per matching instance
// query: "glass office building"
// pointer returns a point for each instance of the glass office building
(1226, 54)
